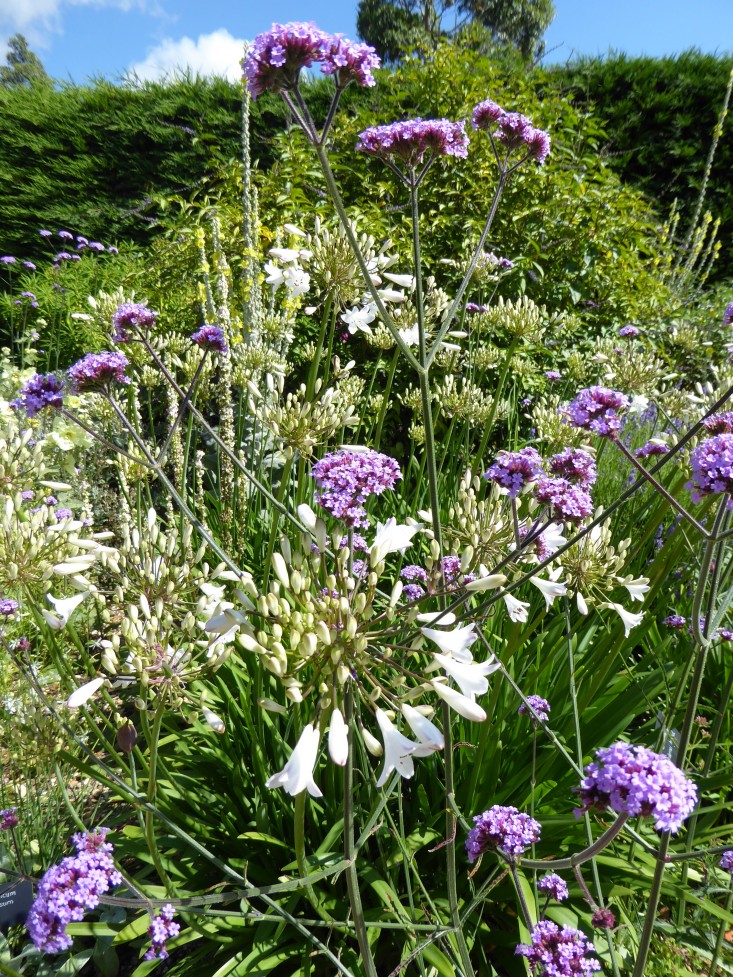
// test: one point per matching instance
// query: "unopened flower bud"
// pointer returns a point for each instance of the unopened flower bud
(127, 738)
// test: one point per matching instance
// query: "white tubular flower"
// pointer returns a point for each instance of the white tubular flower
(470, 677)
(404, 281)
(271, 706)
(371, 742)
(338, 739)
(410, 336)
(392, 295)
(552, 537)
(580, 600)
(307, 516)
(213, 720)
(84, 693)
(285, 254)
(454, 643)
(398, 750)
(275, 274)
(517, 609)
(297, 774)
(490, 582)
(359, 318)
(552, 588)
(636, 588)
(428, 733)
(443, 618)
(64, 608)
(630, 620)
(391, 538)
(464, 706)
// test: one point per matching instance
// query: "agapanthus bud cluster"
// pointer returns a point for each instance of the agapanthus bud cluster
(41, 391)
(69, 889)
(637, 781)
(131, 315)
(96, 372)
(712, 467)
(558, 951)
(345, 479)
(595, 409)
(410, 141)
(512, 129)
(502, 827)
(514, 471)
(276, 57)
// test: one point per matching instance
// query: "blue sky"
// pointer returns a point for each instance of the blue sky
(79, 39)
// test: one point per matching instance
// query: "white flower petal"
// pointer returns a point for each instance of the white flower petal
(550, 589)
(489, 582)
(213, 720)
(391, 538)
(455, 643)
(459, 703)
(470, 677)
(398, 750)
(84, 693)
(517, 609)
(338, 739)
(427, 732)
(297, 774)
(64, 607)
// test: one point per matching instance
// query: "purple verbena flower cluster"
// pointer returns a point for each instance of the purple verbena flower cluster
(575, 465)
(712, 467)
(515, 470)
(41, 391)
(276, 57)
(553, 886)
(346, 479)
(512, 129)
(720, 423)
(67, 890)
(553, 375)
(502, 827)
(636, 780)
(9, 818)
(541, 707)
(96, 371)
(558, 952)
(409, 141)
(594, 409)
(161, 929)
(210, 337)
(628, 332)
(675, 621)
(566, 502)
(412, 572)
(726, 860)
(603, 919)
(131, 315)
(651, 448)
(728, 315)
(8, 607)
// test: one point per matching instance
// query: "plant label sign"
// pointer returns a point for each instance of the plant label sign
(15, 901)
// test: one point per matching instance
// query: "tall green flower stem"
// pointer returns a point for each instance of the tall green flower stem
(496, 395)
(352, 874)
(721, 929)
(703, 644)
(385, 398)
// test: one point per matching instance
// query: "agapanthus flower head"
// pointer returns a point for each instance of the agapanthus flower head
(41, 391)
(675, 621)
(595, 409)
(97, 371)
(349, 61)
(9, 818)
(130, 315)
(345, 479)
(161, 929)
(558, 951)
(726, 860)
(712, 467)
(276, 57)
(502, 827)
(720, 423)
(67, 890)
(8, 607)
(637, 781)
(566, 502)
(553, 886)
(628, 332)
(514, 471)
(410, 141)
(651, 448)
(575, 465)
(486, 114)
(541, 707)
(210, 337)
(728, 315)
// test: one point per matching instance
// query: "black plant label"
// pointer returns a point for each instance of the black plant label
(15, 901)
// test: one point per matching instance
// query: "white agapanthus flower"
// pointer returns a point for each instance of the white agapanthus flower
(83, 694)
(297, 774)
(358, 318)
(427, 732)
(470, 677)
(455, 643)
(398, 750)
(636, 588)
(391, 537)
(338, 739)
(552, 588)
(630, 620)
(517, 609)
(464, 705)
(64, 607)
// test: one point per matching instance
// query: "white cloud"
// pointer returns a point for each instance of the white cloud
(217, 53)
(36, 18)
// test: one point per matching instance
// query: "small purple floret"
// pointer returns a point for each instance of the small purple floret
(728, 315)
(541, 707)
(411, 140)
(635, 780)
(575, 465)
(651, 448)
(515, 470)
(726, 860)
(558, 952)
(210, 337)
(603, 919)
(8, 607)
(553, 886)
(594, 409)
(161, 929)
(628, 332)
(41, 391)
(96, 371)
(720, 423)
(675, 621)
(502, 827)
